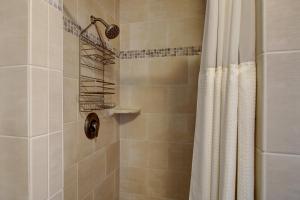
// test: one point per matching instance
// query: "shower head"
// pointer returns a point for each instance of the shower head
(111, 30)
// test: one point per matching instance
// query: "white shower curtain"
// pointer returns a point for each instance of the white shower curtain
(223, 158)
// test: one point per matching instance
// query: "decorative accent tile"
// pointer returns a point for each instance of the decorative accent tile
(71, 26)
(58, 4)
(75, 29)
(166, 52)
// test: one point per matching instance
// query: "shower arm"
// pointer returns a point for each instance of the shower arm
(93, 22)
(95, 19)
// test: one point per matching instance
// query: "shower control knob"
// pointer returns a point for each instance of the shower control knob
(91, 126)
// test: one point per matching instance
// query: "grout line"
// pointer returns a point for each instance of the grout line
(277, 52)
(77, 180)
(55, 132)
(30, 127)
(62, 106)
(38, 67)
(155, 141)
(95, 151)
(48, 73)
(55, 70)
(157, 169)
(14, 137)
(12, 66)
(70, 123)
(277, 153)
(56, 193)
(74, 79)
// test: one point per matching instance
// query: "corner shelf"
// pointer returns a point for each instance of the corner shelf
(118, 110)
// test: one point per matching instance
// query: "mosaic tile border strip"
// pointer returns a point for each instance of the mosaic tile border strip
(58, 4)
(164, 52)
(75, 29)
(71, 27)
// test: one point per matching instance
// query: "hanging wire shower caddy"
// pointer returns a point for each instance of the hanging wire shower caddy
(95, 91)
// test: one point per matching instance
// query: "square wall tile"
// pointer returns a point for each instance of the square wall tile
(165, 10)
(177, 128)
(280, 31)
(106, 190)
(182, 99)
(260, 132)
(112, 157)
(109, 6)
(70, 106)
(126, 8)
(259, 26)
(14, 101)
(144, 36)
(174, 9)
(168, 71)
(158, 155)
(133, 127)
(55, 101)
(281, 104)
(259, 184)
(39, 33)
(70, 183)
(91, 171)
(280, 177)
(133, 180)
(138, 36)
(134, 153)
(107, 132)
(84, 10)
(194, 69)
(151, 99)
(55, 165)
(39, 167)
(15, 35)
(89, 196)
(55, 38)
(85, 145)
(124, 37)
(39, 98)
(168, 184)
(134, 71)
(176, 37)
(70, 144)
(70, 55)
(14, 168)
(117, 185)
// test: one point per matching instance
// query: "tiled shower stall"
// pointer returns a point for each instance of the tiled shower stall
(44, 152)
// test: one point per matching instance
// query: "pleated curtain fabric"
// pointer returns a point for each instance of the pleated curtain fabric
(223, 156)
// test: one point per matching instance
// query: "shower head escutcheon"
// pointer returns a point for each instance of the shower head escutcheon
(111, 30)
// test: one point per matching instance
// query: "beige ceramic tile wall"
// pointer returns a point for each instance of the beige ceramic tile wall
(156, 146)
(14, 156)
(278, 139)
(31, 101)
(45, 74)
(91, 166)
(161, 24)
